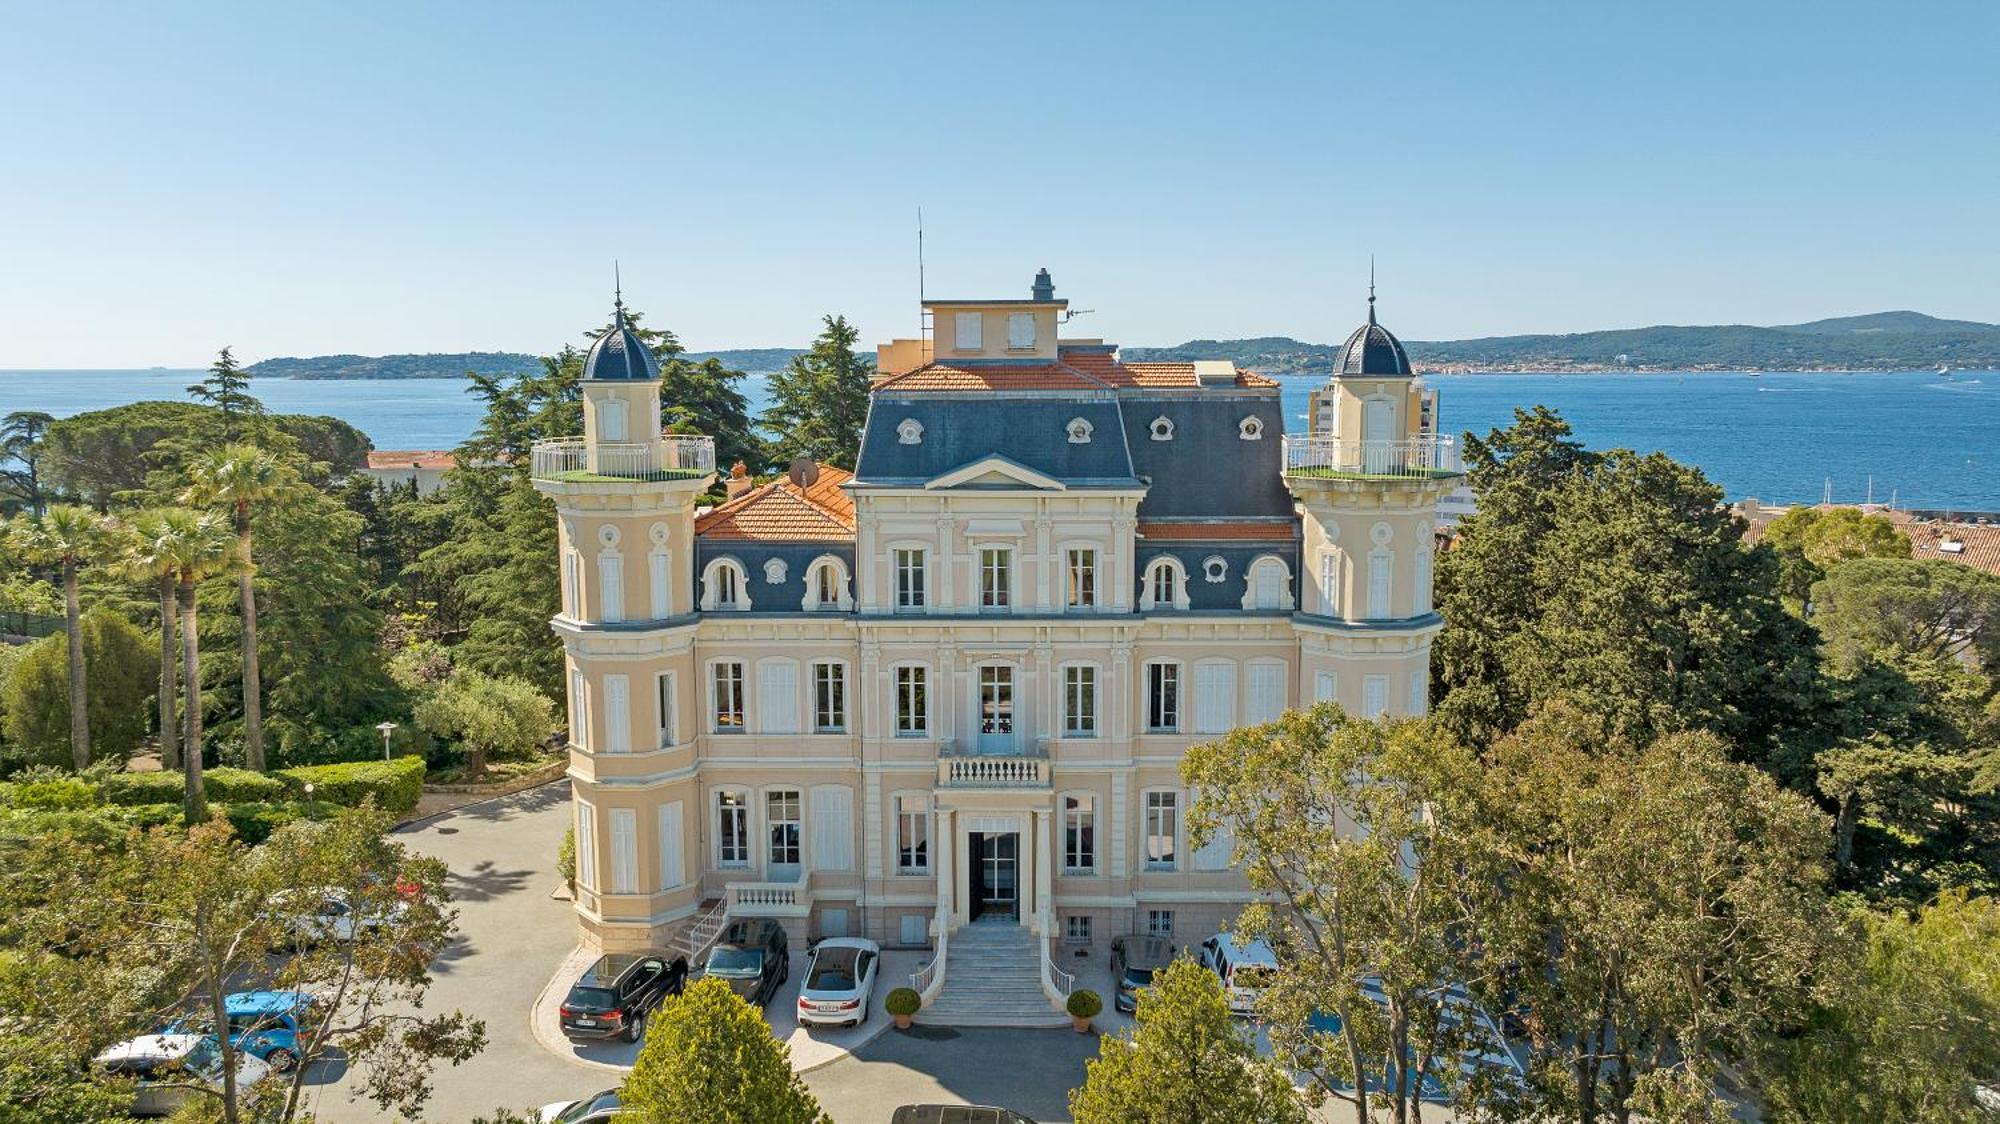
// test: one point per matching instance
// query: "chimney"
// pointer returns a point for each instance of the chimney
(739, 480)
(1045, 286)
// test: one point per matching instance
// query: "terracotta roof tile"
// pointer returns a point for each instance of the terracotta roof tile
(781, 511)
(1219, 531)
(1971, 544)
(381, 460)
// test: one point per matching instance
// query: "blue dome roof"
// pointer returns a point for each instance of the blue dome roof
(1372, 349)
(620, 354)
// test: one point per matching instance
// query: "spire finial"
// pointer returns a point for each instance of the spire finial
(617, 292)
(1371, 288)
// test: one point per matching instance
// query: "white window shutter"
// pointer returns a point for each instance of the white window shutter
(1021, 329)
(617, 714)
(673, 864)
(579, 710)
(611, 587)
(586, 846)
(611, 420)
(1326, 687)
(778, 697)
(1420, 692)
(1265, 687)
(1378, 584)
(832, 827)
(624, 851)
(1214, 855)
(967, 330)
(1420, 585)
(1374, 696)
(1214, 697)
(656, 579)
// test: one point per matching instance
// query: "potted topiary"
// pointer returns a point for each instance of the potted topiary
(902, 1003)
(1084, 1005)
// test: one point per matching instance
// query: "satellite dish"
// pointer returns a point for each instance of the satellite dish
(803, 472)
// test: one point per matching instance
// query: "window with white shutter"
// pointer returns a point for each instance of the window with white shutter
(1326, 687)
(663, 689)
(611, 420)
(778, 696)
(1214, 854)
(611, 586)
(832, 827)
(579, 710)
(967, 331)
(617, 714)
(1374, 696)
(1214, 697)
(1420, 692)
(673, 861)
(1420, 584)
(1379, 563)
(624, 851)
(656, 581)
(586, 846)
(1329, 584)
(1264, 691)
(1020, 329)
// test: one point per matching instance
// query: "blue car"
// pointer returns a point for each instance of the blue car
(270, 1025)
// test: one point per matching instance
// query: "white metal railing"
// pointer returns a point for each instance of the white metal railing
(928, 980)
(673, 456)
(1419, 458)
(702, 932)
(769, 899)
(1056, 983)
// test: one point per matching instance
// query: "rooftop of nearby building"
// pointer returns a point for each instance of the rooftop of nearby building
(805, 505)
(394, 460)
(1968, 538)
(1090, 367)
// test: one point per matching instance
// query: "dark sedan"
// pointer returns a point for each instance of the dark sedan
(753, 958)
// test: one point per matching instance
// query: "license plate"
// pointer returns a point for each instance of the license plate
(586, 1022)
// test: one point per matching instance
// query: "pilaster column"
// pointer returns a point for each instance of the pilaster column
(941, 853)
(944, 590)
(1044, 873)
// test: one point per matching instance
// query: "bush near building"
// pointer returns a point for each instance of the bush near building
(223, 784)
(395, 785)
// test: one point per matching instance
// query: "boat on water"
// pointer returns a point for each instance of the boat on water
(1944, 370)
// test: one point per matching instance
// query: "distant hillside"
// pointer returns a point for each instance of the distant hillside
(1879, 341)
(454, 366)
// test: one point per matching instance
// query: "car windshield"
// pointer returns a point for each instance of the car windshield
(205, 1059)
(1250, 977)
(588, 1105)
(591, 998)
(833, 969)
(735, 962)
(1138, 977)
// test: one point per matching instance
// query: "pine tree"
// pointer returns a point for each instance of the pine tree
(227, 388)
(820, 402)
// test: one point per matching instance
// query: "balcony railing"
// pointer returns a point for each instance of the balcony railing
(993, 770)
(572, 460)
(1423, 458)
(770, 899)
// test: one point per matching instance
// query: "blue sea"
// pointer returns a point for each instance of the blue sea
(1918, 438)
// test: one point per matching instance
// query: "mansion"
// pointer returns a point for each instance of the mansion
(955, 685)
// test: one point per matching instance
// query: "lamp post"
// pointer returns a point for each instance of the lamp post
(309, 800)
(387, 728)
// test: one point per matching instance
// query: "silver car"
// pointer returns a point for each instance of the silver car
(840, 977)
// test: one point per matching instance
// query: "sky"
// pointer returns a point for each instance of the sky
(313, 178)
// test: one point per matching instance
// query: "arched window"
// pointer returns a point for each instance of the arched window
(1165, 586)
(826, 585)
(910, 431)
(725, 587)
(1079, 431)
(1251, 428)
(1162, 428)
(1215, 569)
(1268, 584)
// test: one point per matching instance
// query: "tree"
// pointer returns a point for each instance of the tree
(1365, 840)
(146, 559)
(1928, 608)
(123, 674)
(227, 388)
(486, 716)
(69, 537)
(1664, 908)
(1618, 583)
(113, 938)
(1810, 539)
(1184, 1061)
(236, 478)
(820, 402)
(135, 454)
(709, 1058)
(21, 434)
(200, 545)
(43, 1080)
(1906, 1031)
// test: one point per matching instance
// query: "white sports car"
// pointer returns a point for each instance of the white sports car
(840, 978)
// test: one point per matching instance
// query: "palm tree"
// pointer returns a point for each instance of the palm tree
(20, 440)
(148, 557)
(235, 477)
(199, 545)
(70, 537)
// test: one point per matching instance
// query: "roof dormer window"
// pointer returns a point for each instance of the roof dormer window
(1020, 331)
(967, 331)
(910, 431)
(1079, 431)
(1162, 429)
(1250, 428)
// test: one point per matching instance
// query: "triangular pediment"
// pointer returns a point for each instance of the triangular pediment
(995, 471)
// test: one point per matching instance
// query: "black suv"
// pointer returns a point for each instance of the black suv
(613, 996)
(752, 959)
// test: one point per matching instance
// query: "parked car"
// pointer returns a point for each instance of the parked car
(613, 997)
(1244, 967)
(956, 1114)
(1486, 1051)
(840, 977)
(330, 916)
(752, 957)
(272, 1025)
(163, 1065)
(1134, 959)
(594, 1109)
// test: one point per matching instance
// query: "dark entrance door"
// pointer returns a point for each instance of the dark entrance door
(995, 875)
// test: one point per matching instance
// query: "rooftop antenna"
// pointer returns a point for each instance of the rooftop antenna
(1371, 288)
(923, 328)
(617, 291)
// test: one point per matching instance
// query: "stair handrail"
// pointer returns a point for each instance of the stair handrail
(928, 980)
(1056, 983)
(691, 936)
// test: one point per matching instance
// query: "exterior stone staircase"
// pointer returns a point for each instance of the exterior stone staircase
(993, 977)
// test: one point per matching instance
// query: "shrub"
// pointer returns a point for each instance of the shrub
(50, 794)
(224, 785)
(233, 786)
(487, 717)
(903, 1001)
(122, 671)
(1085, 1004)
(255, 821)
(566, 859)
(394, 785)
(132, 789)
(98, 825)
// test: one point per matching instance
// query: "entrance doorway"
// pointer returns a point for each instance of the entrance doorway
(995, 875)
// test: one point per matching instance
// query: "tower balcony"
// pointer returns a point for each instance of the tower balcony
(574, 460)
(1319, 457)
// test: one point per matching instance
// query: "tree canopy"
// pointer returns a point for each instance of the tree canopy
(820, 402)
(709, 1058)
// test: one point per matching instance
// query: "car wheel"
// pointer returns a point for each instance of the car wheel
(281, 1060)
(636, 1029)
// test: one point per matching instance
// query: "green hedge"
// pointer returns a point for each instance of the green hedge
(395, 785)
(50, 794)
(222, 785)
(254, 821)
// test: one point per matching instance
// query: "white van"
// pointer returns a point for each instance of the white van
(1245, 968)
